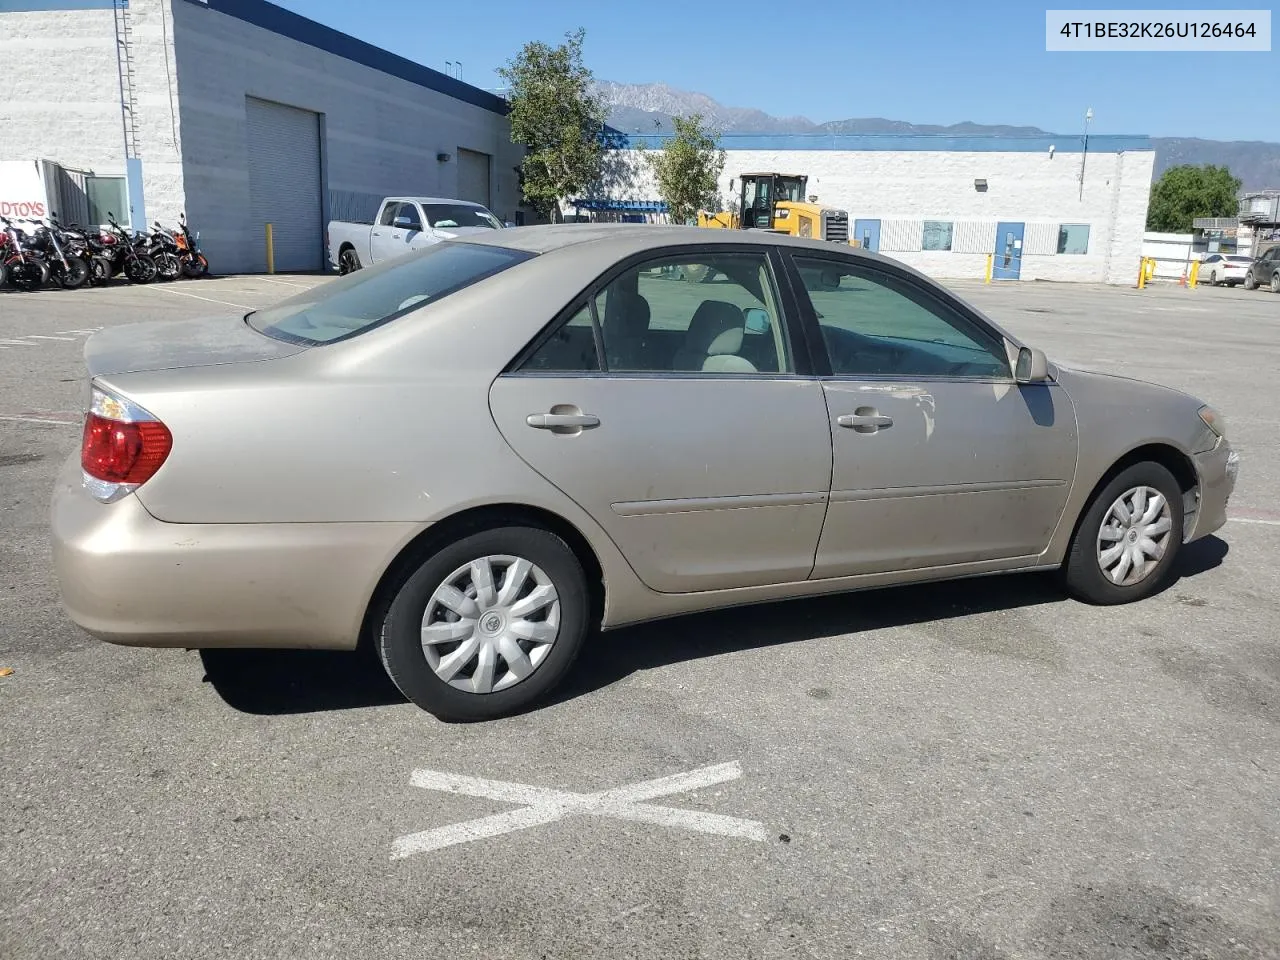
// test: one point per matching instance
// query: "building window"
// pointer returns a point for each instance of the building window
(937, 235)
(1073, 238)
(107, 196)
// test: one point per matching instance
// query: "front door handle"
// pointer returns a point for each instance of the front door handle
(865, 420)
(569, 423)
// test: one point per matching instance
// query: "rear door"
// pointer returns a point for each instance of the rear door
(676, 414)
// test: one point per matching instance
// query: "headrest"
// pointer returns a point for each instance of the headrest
(716, 328)
(627, 314)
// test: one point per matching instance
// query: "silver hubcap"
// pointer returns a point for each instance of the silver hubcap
(1134, 535)
(490, 624)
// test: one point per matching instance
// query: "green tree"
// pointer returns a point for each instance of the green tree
(558, 117)
(1188, 191)
(688, 170)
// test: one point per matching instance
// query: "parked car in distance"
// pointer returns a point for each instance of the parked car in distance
(404, 224)
(1265, 271)
(475, 455)
(1224, 268)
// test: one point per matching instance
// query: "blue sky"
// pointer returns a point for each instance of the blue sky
(929, 61)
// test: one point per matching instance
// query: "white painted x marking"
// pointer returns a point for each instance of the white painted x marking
(543, 805)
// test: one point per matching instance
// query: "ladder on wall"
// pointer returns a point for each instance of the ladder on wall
(128, 78)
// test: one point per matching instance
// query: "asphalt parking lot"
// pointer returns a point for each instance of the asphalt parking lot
(970, 771)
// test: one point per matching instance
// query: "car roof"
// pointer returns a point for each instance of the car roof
(452, 200)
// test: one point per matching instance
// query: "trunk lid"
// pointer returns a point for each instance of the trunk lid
(170, 344)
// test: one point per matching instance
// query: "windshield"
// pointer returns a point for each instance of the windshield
(790, 189)
(368, 298)
(447, 215)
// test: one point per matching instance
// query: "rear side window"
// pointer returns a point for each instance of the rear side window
(360, 301)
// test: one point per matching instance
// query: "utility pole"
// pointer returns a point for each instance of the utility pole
(1084, 156)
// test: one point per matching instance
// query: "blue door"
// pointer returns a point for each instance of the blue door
(1008, 260)
(866, 234)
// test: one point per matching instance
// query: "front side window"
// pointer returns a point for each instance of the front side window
(875, 324)
(366, 299)
(1073, 238)
(389, 214)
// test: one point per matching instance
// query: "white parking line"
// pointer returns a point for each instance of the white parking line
(544, 805)
(36, 336)
(17, 343)
(179, 293)
(287, 283)
(1268, 523)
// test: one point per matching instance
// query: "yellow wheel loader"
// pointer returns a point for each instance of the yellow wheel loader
(778, 203)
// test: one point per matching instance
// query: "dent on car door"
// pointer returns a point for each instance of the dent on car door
(939, 456)
(671, 411)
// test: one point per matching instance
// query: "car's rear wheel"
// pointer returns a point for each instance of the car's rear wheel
(1127, 542)
(1275, 282)
(348, 261)
(487, 625)
(1213, 278)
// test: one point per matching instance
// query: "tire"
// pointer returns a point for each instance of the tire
(348, 261)
(196, 266)
(168, 266)
(75, 275)
(405, 657)
(1249, 282)
(140, 269)
(1083, 572)
(100, 271)
(1275, 282)
(27, 275)
(1213, 278)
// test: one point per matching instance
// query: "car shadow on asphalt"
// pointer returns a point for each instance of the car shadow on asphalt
(274, 682)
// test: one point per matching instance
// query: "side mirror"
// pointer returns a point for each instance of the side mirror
(1033, 366)
(400, 222)
(757, 320)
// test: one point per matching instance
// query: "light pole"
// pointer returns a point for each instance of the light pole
(1084, 156)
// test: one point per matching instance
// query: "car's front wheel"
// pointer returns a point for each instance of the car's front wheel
(487, 625)
(1275, 282)
(1127, 542)
(1249, 282)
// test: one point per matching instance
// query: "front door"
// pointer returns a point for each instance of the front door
(386, 239)
(687, 435)
(866, 233)
(939, 457)
(1008, 253)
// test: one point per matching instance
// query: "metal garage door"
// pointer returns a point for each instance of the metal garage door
(473, 176)
(284, 184)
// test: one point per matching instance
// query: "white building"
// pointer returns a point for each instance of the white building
(239, 113)
(943, 204)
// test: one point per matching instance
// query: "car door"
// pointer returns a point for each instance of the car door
(675, 413)
(939, 457)
(383, 245)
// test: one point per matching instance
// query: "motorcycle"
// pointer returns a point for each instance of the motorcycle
(22, 267)
(124, 255)
(194, 263)
(48, 240)
(161, 247)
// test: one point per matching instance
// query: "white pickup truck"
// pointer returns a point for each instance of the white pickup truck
(404, 224)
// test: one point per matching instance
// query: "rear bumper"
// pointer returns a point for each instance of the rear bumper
(1217, 470)
(128, 578)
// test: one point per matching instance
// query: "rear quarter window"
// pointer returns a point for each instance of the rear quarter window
(346, 307)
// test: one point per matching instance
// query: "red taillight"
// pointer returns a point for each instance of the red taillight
(118, 452)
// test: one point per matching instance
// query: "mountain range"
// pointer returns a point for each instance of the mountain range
(648, 108)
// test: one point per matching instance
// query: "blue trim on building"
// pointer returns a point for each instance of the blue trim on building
(289, 24)
(1073, 143)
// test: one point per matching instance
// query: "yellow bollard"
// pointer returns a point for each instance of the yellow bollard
(1142, 273)
(1195, 275)
(990, 261)
(271, 252)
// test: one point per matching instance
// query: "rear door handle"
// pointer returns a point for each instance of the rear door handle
(562, 422)
(865, 422)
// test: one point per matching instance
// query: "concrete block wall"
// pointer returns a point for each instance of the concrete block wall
(904, 188)
(381, 133)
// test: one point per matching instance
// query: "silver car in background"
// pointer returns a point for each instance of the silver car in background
(475, 456)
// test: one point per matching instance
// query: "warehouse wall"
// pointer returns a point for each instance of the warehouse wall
(904, 188)
(78, 124)
(381, 134)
